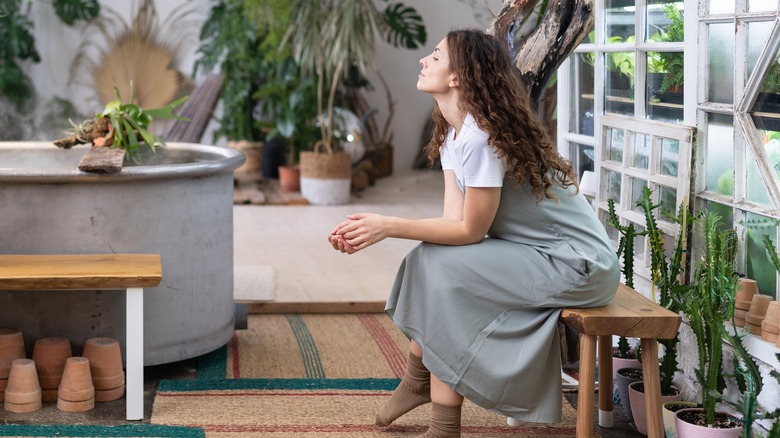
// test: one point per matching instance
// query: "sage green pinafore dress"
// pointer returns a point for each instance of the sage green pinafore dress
(486, 314)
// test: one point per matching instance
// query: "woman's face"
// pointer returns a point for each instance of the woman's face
(435, 76)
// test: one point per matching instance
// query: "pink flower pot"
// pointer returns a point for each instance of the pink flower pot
(638, 405)
(689, 430)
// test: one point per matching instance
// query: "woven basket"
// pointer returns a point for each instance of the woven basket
(323, 165)
(326, 176)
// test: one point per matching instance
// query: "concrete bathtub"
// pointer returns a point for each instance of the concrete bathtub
(178, 202)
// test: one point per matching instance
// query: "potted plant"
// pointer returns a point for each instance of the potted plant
(236, 44)
(709, 303)
(17, 42)
(291, 100)
(669, 66)
(668, 283)
(329, 39)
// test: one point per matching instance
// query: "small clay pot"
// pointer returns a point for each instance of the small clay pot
(105, 363)
(754, 320)
(768, 327)
(11, 348)
(759, 305)
(79, 406)
(769, 337)
(23, 393)
(76, 384)
(746, 288)
(740, 314)
(107, 395)
(742, 305)
(50, 355)
(754, 329)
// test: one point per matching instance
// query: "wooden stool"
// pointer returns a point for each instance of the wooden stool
(129, 272)
(631, 315)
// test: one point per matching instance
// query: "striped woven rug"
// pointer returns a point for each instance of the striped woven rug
(301, 375)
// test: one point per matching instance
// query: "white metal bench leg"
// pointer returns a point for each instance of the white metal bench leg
(134, 333)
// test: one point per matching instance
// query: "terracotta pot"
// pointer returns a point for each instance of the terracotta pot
(746, 288)
(49, 355)
(76, 385)
(638, 405)
(689, 430)
(669, 412)
(758, 306)
(23, 393)
(105, 363)
(80, 406)
(289, 178)
(11, 348)
(623, 380)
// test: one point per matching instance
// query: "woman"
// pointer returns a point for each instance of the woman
(480, 297)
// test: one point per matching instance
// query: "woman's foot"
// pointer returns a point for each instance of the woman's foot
(445, 422)
(414, 390)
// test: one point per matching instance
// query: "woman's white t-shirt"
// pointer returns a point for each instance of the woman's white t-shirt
(475, 163)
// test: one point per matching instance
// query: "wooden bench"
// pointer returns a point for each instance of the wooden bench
(129, 272)
(631, 315)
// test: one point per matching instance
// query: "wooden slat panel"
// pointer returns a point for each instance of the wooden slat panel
(628, 314)
(93, 271)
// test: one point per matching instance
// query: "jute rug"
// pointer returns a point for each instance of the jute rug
(301, 375)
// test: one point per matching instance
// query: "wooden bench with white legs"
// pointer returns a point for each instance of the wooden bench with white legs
(631, 315)
(129, 272)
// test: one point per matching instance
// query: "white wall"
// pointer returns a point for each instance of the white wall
(58, 44)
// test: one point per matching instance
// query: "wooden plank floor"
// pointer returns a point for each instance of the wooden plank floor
(310, 275)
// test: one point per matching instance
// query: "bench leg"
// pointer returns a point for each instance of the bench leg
(587, 386)
(652, 381)
(134, 333)
(606, 406)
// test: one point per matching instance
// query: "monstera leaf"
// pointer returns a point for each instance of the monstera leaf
(405, 26)
(71, 11)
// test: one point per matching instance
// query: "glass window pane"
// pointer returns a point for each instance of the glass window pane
(724, 211)
(665, 21)
(670, 150)
(759, 267)
(641, 151)
(636, 193)
(721, 63)
(613, 185)
(664, 84)
(720, 154)
(756, 189)
(619, 20)
(619, 85)
(581, 157)
(758, 37)
(615, 144)
(762, 5)
(581, 115)
(721, 7)
(766, 109)
(668, 198)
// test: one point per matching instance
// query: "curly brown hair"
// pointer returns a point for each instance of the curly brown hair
(492, 91)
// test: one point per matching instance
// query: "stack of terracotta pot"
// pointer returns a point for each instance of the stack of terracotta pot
(757, 312)
(11, 348)
(23, 393)
(49, 355)
(105, 362)
(76, 392)
(746, 288)
(770, 326)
